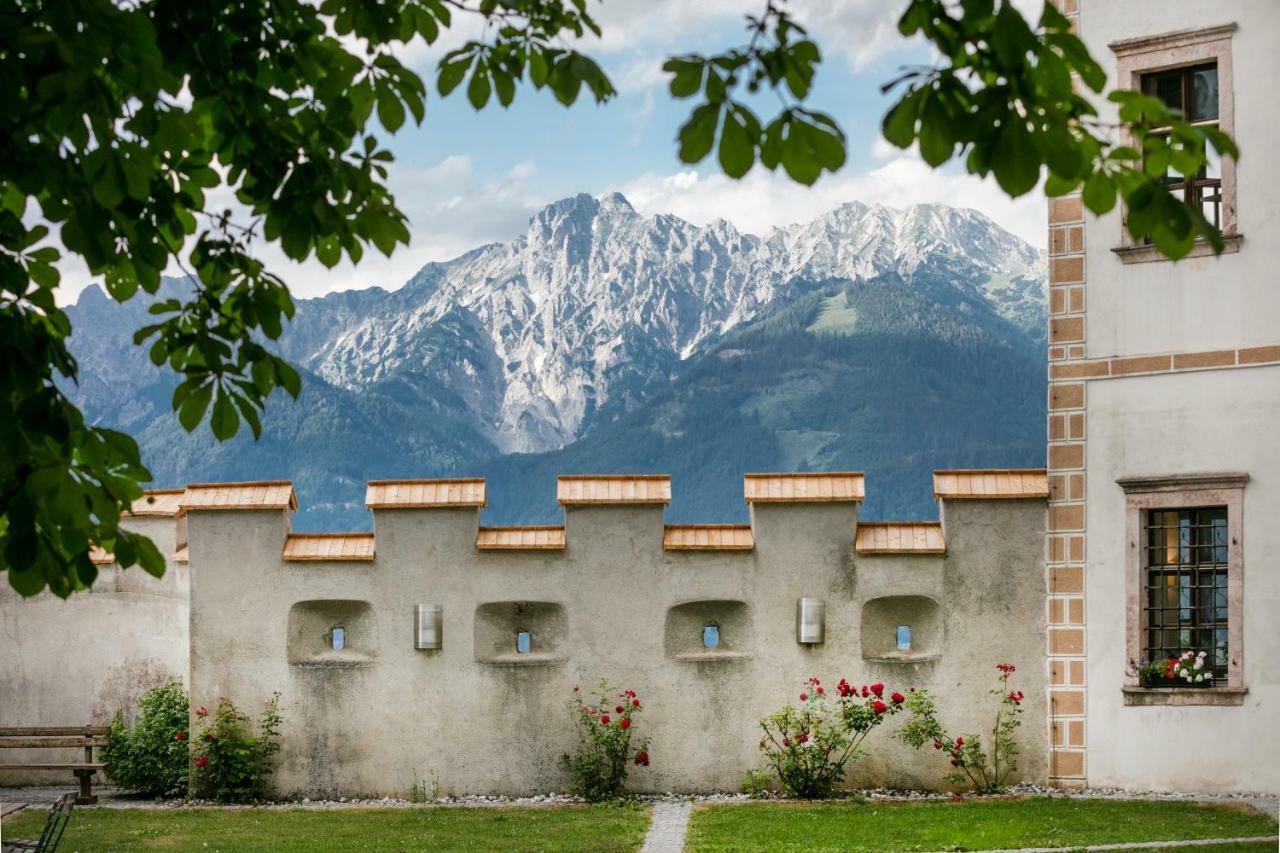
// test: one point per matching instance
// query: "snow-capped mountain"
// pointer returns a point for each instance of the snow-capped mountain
(595, 303)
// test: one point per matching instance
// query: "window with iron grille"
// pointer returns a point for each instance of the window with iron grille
(1193, 92)
(1186, 605)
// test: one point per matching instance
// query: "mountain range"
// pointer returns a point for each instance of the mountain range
(889, 340)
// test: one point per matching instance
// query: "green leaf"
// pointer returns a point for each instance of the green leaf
(224, 422)
(478, 89)
(687, 79)
(193, 407)
(737, 148)
(1016, 164)
(390, 110)
(899, 125)
(1099, 193)
(698, 134)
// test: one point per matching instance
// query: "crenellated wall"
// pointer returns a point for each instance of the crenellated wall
(616, 594)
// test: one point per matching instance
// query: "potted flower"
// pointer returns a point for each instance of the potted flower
(1188, 669)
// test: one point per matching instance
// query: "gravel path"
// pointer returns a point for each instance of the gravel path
(667, 828)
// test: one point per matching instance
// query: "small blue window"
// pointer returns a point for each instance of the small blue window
(904, 638)
(711, 636)
(523, 643)
(338, 638)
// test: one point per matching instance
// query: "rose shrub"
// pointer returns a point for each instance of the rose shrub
(606, 730)
(808, 747)
(150, 756)
(972, 764)
(231, 762)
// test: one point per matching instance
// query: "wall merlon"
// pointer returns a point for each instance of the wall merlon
(609, 490)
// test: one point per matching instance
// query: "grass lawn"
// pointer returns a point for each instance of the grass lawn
(969, 825)
(604, 829)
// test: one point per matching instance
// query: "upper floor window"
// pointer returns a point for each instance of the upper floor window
(1193, 91)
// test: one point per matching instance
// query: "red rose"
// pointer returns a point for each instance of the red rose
(180, 736)
(210, 736)
(804, 697)
(1006, 668)
(202, 711)
(937, 745)
(618, 708)
(642, 758)
(202, 762)
(956, 798)
(865, 692)
(624, 722)
(786, 742)
(877, 689)
(635, 703)
(898, 698)
(955, 762)
(819, 691)
(604, 720)
(959, 742)
(879, 707)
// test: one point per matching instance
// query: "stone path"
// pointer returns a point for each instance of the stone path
(1144, 845)
(667, 828)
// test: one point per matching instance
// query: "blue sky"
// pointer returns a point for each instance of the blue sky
(465, 178)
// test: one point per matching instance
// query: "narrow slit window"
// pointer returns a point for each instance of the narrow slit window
(524, 643)
(338, 637)
(904, 638)
(711, 637)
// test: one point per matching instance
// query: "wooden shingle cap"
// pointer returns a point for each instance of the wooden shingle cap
(708, 537)
(990, 483)
(165, 503)
(827, 487)
(299, 547)
(524, 538)
(899, 537)
(425, 494)
(585, 490)
(99, 556)
(182, 555)
(266, 494)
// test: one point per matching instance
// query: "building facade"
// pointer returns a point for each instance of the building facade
(1164, 450)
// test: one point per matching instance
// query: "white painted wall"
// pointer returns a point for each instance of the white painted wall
(1202, 303)
(1223, 420)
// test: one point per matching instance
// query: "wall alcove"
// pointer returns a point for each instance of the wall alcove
(882, 619)
(520, 633)
(332, 632)
(711, 630)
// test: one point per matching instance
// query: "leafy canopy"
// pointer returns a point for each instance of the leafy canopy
(130, 126)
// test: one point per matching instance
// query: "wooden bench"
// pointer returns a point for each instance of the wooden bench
(59, 737)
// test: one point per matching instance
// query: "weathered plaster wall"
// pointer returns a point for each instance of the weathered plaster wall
(78, 661)
(1216, 421)
(396, 716)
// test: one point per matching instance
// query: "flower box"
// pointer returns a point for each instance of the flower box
(1160, 681)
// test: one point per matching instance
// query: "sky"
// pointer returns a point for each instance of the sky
(465, 178)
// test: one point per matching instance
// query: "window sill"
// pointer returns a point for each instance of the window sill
(1214, 696)
(1150, 254)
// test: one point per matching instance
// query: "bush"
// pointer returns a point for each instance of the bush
(600, 765)
(151, 756)
(231, 762)
(808, 747)
(972, 764)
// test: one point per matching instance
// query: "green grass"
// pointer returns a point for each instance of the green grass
(969, 825)
(601, 829)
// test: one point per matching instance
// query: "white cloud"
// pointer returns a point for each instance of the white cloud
(763, 200)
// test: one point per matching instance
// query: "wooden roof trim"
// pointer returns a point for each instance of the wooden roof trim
(613, 489)
(521, 538)
(99, 556)
(329, 547)
(708, 537)
(991, 483)
(426, 494)
(163, 503)
(805, 487)
(182, 555)
(257, 494)
(900, 537)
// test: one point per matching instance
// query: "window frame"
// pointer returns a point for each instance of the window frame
(1189, 491)
(1139, 57)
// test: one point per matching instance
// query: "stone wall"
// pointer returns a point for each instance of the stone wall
(605, 598)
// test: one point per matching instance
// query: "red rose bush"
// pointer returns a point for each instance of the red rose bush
(965, 753)
(607, 742)
(807, 747)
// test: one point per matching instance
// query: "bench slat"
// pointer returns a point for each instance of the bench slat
(52, 731)
(51, 742)
(80, 766)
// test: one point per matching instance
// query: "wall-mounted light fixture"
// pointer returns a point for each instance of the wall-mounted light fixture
(811, 618)
(428, 626)
(904, 638)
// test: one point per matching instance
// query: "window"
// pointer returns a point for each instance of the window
(524, 643)
(711, 637)
(1189, 70)
(1193, 91)
(338, 637)
(1184, 581)
(1186, 595)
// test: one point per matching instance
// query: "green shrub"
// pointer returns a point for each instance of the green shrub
(605, 729)
(232, 763)
(151, 756)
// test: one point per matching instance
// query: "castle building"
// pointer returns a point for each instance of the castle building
(1164, 449)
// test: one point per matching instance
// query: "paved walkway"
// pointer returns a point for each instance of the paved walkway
(667, 828)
